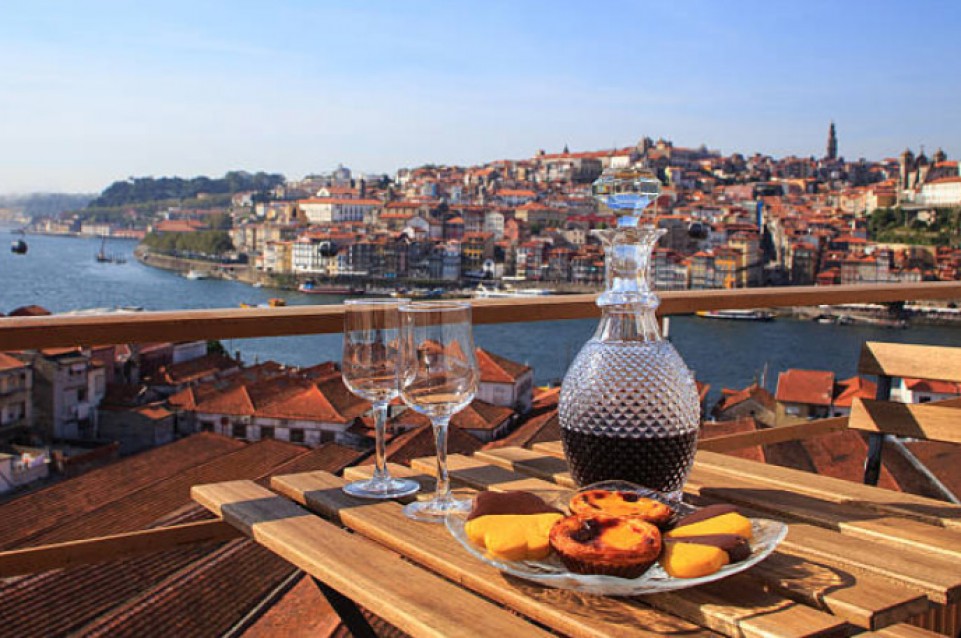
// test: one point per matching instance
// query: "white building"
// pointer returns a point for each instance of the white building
(504, 382)
(945, 191)
(494, 223)
(333, 210)
(310, 255)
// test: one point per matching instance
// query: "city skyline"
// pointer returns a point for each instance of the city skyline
(108, 91)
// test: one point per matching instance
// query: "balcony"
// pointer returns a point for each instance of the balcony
(143, 559)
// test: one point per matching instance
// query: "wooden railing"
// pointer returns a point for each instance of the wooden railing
(18, 333)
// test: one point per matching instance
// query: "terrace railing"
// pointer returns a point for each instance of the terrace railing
(20, 333)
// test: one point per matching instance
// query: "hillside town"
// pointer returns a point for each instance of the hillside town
(732, 221)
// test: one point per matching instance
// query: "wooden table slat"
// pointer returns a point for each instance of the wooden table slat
(862, 600)
(847, 518)
(406, 596)
(919, 570)
(433, 546)
(730, 607)
(901, 630)
(829, 488)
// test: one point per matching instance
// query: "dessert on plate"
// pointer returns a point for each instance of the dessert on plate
(622, 546)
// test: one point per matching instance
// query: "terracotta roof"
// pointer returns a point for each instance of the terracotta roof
(23, 519)
(855, 387)
(842, 455)
(195, 369)
(537, 429)
(10, 363)
(136, 509)
(29, 311)
(330, 457)
(497, 369)
(303, 611)
(812, 387)
(419, 442)
(932, 386)
(942, 460)
(731, 398)
(714, 429)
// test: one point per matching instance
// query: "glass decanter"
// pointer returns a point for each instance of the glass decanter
(629, 407)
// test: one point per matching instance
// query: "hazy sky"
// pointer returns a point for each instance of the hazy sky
(92, 92)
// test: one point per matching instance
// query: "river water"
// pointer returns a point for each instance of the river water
(60, 274)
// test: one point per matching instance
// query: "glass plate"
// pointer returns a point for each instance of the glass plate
(768, 534)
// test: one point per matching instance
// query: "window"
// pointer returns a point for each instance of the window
(239, 431)
(206, 426)
(924, 399)
(266, 432)
(296, 435)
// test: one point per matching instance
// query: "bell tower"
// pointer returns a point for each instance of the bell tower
(832, 143)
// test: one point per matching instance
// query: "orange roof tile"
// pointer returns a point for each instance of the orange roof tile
(10, 363)
(812, 387)
(497, 369)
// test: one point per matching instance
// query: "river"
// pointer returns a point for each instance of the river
(60, 274)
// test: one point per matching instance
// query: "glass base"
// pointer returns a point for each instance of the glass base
(435, 510)
(382, 488)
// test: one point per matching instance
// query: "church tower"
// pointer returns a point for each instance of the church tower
(832, 143)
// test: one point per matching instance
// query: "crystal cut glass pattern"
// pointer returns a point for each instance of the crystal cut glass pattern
(629, 408)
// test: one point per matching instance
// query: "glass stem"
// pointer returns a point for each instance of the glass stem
(380, 444)
(440, 439)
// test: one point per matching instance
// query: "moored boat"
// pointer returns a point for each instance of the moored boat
(752, 314)
(313, 288)
(483, 292)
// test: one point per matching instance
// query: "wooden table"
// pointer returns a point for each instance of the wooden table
(857, 559)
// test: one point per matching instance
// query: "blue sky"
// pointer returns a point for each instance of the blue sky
(92, 92)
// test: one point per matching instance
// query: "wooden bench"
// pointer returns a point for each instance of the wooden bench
(932, 421)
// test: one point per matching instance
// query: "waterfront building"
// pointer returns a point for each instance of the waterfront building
(68, 385)
(16, 397)
(313, 255)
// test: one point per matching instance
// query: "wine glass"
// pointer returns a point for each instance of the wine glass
(438, 378)
(369, 369)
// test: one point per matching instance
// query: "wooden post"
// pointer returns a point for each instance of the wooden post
(872, 465)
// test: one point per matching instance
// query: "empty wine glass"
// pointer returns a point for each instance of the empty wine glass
(438, 378)
(369, 367)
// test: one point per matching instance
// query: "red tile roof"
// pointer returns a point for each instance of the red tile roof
(497, 369)
(136, 509)
(195, 369)
(419, 442)
(855, 387)
(714, 429)
(537, 429)
(25, 518)
(932, 386)
(29, 311)
(811, 387)
(10, 363)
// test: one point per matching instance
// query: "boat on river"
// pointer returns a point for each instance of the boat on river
(313, 288)
(483, 292)
(751, 314)
(102, 256)
(18, 247)
(194, 275)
